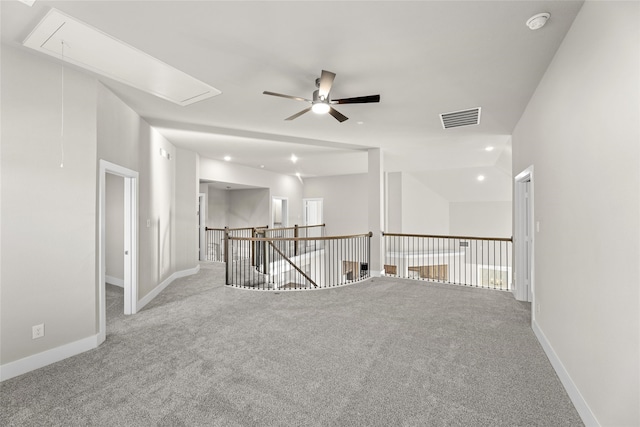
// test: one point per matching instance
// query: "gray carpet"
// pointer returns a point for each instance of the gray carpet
(384, 352)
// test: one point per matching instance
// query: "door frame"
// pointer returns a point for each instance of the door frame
(284, 213)
(520, 222)
(304, 208)
(130, 242)
(202, 216)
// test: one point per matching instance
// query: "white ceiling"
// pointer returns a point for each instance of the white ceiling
(422, 57)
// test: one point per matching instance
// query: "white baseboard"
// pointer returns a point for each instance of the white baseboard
(47, 357)
(588, 418)
(376, 273)
(114, 281)
(166, 282)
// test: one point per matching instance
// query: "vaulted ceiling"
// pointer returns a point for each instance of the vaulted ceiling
(423, 57)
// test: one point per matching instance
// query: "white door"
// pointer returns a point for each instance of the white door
(312, 209)
(524, 242)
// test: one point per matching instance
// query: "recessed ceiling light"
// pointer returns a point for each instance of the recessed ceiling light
(480, 178)
(360, 123)
(294, 158)
(537, 21)
(227, 158)
(261, 166)
(489, 148)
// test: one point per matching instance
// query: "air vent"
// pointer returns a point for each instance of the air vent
(96, 51)
(460, 118)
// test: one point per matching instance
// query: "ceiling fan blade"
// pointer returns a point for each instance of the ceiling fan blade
(326, 81)
(338, 115)
(297, 98)
(357, 100)
(296, 115)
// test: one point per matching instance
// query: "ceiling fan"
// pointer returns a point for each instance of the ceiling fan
(322, 103)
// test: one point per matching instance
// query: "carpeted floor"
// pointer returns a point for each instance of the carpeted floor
(385, 352)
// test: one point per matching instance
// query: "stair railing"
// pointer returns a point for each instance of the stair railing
(283, 263)
(484, 262)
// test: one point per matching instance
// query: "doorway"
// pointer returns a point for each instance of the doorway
(130, 241)
(279, 212)
(202, 225)
(312, 210)
(114, 243)
(524, 286)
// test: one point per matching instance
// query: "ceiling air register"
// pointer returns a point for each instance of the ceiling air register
(460, 118)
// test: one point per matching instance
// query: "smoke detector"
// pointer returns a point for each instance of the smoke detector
(537, 21)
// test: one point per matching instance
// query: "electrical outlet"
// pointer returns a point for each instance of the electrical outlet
(37, 331)
(537, 308)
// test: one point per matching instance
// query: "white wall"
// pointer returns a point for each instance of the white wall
(279, 185)
(581, 133)
(168, 190)
(217, 208)
(414, 208)
(114, 229)
(423, 210)
(345, 202)
(186, 208)
(393, 202)
(480, 219)
(48, 213)
(248, 208)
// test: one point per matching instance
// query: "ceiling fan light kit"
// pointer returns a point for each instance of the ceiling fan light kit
(321, 103)
(320, 107)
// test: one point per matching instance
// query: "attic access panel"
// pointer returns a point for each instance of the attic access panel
(63, 37)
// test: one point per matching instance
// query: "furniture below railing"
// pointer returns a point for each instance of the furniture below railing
(284, 263)
(470, 261)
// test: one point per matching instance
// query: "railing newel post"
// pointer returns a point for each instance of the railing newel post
(226, 255)
(254, 233)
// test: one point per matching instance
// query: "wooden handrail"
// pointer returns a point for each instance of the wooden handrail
(291, 228)
(266, 239)
(235, 229)
(498, 239)
(293, 265)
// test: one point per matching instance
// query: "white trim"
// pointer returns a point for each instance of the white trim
(588, 418)
(166, 282)
(202, 225)
(376, 273)
(284, 211)
(518, 292)
(304, 209)
(130, 242)
(114, 281)
(40, 360)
